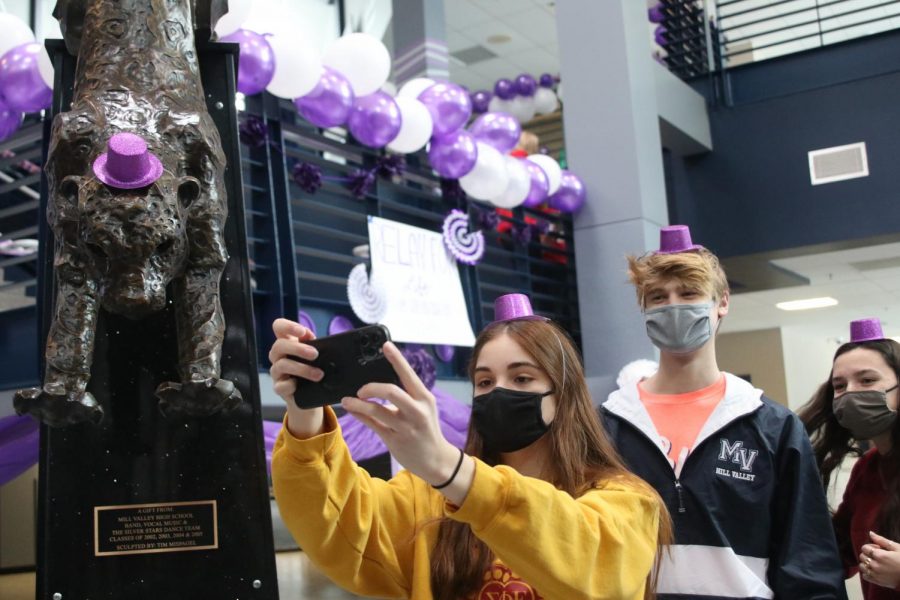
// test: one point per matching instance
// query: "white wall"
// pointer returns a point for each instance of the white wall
(808, 352)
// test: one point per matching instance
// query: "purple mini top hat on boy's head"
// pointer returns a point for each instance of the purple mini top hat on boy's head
(127, 163)
(676, 238)
(866, 330)
(514, 307)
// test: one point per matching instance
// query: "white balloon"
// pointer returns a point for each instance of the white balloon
(488, 179)
(559, 91)
(522, 108)
(551, 168)
(297, 67)
(545, 101)
(498, 104)
(414, 87)
(45, 67)
(13, 32)
(415, 126)
(238, 11)
(362, 59)
(518, 187)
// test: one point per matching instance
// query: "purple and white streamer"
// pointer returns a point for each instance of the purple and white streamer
(466, 246)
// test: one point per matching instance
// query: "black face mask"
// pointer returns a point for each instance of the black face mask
(508, 420)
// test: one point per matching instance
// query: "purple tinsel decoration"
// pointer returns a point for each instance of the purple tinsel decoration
(308, 177)
(253, 132)
(452, 191)
(486, 219)
(423, 364)
(521, 235)
(361, 182)
(392, 165)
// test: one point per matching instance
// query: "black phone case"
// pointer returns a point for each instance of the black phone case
(349, 360)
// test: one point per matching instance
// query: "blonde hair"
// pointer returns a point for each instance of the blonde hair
(529, 142)
(699, 269)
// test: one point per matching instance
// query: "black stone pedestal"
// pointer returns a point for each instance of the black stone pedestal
(144, 507)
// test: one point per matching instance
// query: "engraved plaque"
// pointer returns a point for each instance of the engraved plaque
(152, 528)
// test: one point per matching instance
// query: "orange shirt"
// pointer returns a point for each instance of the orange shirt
(679, 417)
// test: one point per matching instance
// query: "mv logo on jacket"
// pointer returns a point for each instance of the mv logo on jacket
(737, 454)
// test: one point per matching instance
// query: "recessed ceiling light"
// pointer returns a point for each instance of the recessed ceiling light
(808, 303)
(498, 38)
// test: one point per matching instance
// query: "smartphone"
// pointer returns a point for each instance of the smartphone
(349, 360)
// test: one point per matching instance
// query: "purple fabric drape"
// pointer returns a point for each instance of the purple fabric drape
(19, 446)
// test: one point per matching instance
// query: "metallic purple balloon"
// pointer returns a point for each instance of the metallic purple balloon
(547, 80)
(504, 89)
(659, 35)
(655, 14)
(526, 85)
(449, 105)
(21, 85)
(480, 101)
(375, 119)
(256, 65)
(9, 120)
(570, 196)
(498, 129)
(330, 102)
(453, 155)
(540, 185)
(445, 352)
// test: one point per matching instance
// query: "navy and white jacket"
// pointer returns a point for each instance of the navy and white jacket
(751, 520)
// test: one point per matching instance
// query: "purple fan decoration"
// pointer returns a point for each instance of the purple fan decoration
(452, 191)
(486, 218)
(361, 183)
(308, 177)
(253, 132)
(466, 246)
(521, 235)
(445, 352)
(422, 363)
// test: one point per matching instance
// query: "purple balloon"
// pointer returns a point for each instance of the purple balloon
(655, 14)
(449, 105)
(375, 119)
(453, 155)
(256, 65)
(547, 80)
(21, 85)
(445, 352)
(339, 324)
(504, 89)
(526, 85)
(480, 101)
(540, 185)
(498, 129)
(570, 196)
(330, 102)
(9, 120)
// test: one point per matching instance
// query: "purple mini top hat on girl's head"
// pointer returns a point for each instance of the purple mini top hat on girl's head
(676, 238)
(514, 307)
(127, 163)
(866, 330)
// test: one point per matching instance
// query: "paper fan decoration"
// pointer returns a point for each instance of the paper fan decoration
(367, 299)
(466, 246)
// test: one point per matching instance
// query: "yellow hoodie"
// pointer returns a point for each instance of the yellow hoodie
(375, 537)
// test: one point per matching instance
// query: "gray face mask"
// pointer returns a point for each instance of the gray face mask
(865, 414)
(679, 328)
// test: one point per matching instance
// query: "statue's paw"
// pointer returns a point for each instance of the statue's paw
(56, 407)
(197, 398)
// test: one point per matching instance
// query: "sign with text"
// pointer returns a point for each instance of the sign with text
(420, 280)
(147, 528)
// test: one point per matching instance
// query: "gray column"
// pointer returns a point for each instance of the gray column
(420, 40)
(613, 143)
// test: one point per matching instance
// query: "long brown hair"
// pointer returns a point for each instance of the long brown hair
(832, 443)
(581, 455)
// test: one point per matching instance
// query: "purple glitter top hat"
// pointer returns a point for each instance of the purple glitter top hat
(512, 307)
(676, 238)
(127, 164)
(866, 330)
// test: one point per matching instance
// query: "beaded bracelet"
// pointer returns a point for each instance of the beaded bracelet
(462, 455)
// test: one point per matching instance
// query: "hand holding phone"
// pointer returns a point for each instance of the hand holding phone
(348, 360)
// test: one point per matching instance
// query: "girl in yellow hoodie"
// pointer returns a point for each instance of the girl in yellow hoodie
(539, 506)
